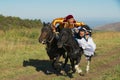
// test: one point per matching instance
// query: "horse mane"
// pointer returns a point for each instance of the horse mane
(47, 25)
(73, 41)
(68, 30)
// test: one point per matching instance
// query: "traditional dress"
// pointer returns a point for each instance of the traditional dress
(88, 45)
(63, 23)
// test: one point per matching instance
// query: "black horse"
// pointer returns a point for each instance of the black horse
(49, 38)
(74, 52)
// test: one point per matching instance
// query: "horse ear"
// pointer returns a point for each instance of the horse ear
(44, 24)
(49, 24)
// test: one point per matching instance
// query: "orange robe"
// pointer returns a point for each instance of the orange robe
(63, 24)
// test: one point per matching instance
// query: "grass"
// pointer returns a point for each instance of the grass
(111, 74)
(17, 46)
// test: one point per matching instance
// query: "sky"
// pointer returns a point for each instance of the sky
(93, 12)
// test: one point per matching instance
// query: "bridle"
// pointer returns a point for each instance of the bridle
(51, 39)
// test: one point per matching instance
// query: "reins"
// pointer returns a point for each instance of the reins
(51, 39)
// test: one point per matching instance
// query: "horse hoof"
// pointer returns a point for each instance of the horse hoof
(48, 72)
(62, 72)
(81, 74)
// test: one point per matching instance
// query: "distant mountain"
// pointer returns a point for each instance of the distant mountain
(109, 27)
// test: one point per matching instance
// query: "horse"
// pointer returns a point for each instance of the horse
(48, 37)
(74, 52)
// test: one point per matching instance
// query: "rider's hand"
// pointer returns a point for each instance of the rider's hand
(57, 35)
(76, 30)
(56, 32)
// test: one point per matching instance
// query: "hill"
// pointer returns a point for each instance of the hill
(9, 22)
(109, 27)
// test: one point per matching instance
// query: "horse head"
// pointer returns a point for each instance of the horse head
(46, 31)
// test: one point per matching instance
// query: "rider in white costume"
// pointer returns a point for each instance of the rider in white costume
(86, 42)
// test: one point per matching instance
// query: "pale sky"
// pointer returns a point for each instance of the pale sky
(47, 10)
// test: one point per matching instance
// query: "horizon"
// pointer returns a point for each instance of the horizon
(93, 13)
(91, 22)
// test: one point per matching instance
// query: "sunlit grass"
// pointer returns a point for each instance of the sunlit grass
(19, 45)
(106, 41)
(111, 74)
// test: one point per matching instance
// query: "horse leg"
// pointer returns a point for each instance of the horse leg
(64, 55)
(77, 67)
(88, 64)
(73, 65)
(55, 63)
(66, 60)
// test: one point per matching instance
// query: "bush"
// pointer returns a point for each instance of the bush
(9, 22)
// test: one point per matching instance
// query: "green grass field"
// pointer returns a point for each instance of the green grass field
(19, 46)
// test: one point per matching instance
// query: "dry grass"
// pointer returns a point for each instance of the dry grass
(19, 45)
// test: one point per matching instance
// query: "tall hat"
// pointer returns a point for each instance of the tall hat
(68, 17)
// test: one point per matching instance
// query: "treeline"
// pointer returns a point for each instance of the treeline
(9, 22)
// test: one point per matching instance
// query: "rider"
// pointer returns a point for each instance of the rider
(86, 42)
(67, 22)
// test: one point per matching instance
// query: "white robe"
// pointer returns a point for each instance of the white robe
(88, 46)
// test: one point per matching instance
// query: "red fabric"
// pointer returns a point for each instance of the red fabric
(68, 17)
